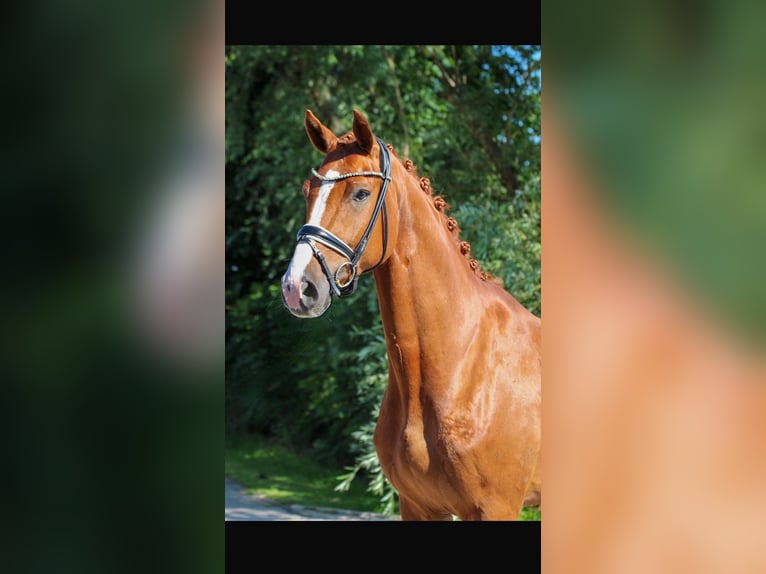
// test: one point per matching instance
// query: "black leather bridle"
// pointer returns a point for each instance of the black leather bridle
(313, 234)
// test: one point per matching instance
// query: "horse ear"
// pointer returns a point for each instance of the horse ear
(321, 137)
(363, 132)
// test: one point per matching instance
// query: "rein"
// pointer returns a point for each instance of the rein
(313, 234)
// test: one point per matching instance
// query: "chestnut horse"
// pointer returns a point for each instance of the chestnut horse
(458, 433)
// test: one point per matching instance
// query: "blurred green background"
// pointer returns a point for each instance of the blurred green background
(468, 117)
(112, 441)
(664, 103)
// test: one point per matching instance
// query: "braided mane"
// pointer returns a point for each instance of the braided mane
(442, 207)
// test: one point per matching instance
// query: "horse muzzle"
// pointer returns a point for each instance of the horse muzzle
(306, 295)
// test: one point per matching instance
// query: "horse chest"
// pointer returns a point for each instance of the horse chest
(418, 459)
(412, 450)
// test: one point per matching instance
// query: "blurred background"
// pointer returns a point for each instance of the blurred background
(113, 200)
(467, 116)
(654, 222)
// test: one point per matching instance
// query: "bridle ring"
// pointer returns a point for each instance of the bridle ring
(351, 276)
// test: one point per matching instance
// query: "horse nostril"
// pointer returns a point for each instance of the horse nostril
(309, 291)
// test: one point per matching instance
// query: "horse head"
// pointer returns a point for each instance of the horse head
(348, 221)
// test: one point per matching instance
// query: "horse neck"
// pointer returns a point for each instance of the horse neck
(429, 297)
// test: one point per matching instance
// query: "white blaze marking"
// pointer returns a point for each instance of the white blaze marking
(321, 203)
(303, 253)
(301, 258)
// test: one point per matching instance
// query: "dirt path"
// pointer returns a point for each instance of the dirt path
(243, 506)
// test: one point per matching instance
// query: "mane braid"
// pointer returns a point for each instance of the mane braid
(442, 207)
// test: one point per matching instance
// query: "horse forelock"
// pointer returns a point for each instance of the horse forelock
(347, 138)
(345, 149)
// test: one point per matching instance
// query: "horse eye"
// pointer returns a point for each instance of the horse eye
(361, 195)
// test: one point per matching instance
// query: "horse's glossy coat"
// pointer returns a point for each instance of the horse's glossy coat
(459, 427)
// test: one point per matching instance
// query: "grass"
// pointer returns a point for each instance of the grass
(276, 472)
(289, 478)
(530, 514)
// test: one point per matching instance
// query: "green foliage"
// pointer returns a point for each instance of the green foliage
(528, 513)
(281, 474)
(468, 116)
(368, 463)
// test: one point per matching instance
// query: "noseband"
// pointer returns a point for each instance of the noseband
(313, 234)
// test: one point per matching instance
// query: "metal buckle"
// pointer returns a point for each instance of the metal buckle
(351, 277)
